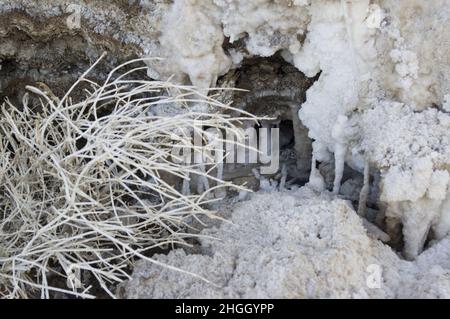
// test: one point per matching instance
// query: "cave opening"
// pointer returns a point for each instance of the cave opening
(274, 90)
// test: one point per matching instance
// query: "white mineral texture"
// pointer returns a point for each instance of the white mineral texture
(297, 244)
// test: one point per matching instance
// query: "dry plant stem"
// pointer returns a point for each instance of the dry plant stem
(82, 195)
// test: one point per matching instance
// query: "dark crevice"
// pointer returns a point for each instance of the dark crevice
(275, 89)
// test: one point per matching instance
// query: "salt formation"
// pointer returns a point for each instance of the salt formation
(296, 244)
(368, 54)
(195, 31)
(379, 104)
(413, 152)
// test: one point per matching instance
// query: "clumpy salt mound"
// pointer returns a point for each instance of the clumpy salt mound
(394, 134)
(282, 245)
(430, 276)
(295, 244)
(412, 151)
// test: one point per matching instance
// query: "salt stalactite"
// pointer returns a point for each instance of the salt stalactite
(340, 149)
(442, 228)
(415, 195)
(417, 218)
(416, 198)
(362, 207)
(316, 180)
(339, 160)
(364, 194)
